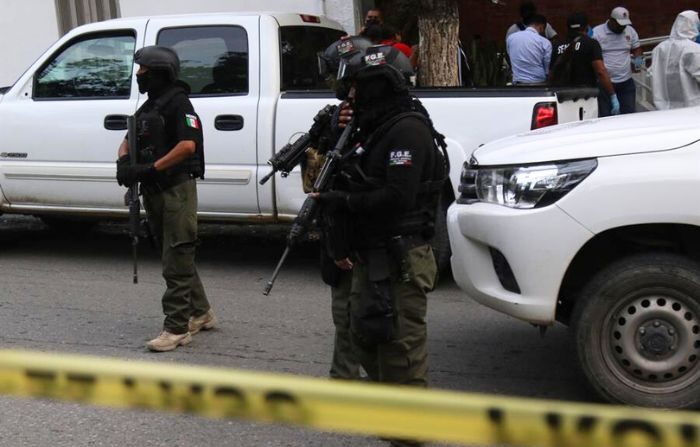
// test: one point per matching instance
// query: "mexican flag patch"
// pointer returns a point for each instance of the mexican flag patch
(192, 121)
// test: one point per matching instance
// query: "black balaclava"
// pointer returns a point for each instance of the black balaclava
(376, 101)
(154, 82)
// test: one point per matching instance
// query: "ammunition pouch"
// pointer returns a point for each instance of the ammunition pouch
(310, 168)
(151, 136)
(330, 273)
(372, 318)
(398, 250)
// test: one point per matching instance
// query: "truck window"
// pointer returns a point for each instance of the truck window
(300, 46)
(213, 59)
(93, 67)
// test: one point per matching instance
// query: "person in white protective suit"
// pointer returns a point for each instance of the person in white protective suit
(675, 65)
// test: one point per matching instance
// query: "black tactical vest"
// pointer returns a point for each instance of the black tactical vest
(152, 140)
(421, 220)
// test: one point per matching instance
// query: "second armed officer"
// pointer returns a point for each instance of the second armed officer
(387, 196)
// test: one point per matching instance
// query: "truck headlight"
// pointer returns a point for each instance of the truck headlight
(527, 187)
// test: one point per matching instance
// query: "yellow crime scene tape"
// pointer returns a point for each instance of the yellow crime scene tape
(338, 406)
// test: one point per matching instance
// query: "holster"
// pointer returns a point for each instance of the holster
(372, 318)
(330, 273)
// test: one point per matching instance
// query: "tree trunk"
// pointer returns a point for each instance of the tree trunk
(438, 25)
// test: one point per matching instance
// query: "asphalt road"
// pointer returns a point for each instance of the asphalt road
(73, 293)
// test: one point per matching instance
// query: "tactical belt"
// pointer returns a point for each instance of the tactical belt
(409, 242)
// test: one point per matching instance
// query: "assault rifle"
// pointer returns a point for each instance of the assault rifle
(293, 153)
(309, 210)
(132, 197)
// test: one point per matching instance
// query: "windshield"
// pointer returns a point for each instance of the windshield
(300, 46)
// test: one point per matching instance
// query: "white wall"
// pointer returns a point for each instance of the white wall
(27, 29)
(130, 8)
(343, 11)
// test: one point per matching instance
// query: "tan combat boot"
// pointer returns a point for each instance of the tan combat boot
(167, 341)
(202, 322)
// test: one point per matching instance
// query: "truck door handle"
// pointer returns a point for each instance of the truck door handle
(228, 122)
(115, 122)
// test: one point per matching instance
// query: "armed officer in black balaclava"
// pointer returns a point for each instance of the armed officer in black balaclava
(387, 193)
(170, 159)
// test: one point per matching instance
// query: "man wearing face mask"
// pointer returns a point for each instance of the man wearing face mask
(375, 17)
(170, 158)
(579, 61)
(619, 42)
(675, 67)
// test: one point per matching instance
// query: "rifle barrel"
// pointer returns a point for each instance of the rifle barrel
(271, 282)
(267, 177)
(135, 254)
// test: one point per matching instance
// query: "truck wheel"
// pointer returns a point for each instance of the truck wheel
(636, 330)
(441, 240)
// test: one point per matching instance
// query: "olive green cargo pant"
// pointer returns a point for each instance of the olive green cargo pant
(405, 359)
(345, 364)
(172, 215)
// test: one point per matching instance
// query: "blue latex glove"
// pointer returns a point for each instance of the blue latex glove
(614, 105)
(638, 62)
(697, 38)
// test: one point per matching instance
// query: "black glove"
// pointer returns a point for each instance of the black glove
(333, 201)
(128, 175)
(122, 165)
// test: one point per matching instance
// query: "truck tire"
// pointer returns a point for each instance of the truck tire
(441, 240)
(636, 329)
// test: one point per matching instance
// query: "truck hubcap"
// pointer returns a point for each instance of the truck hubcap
(653, 342)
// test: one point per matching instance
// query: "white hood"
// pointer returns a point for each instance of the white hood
(675, 65)
(625, 134)
(685, 26)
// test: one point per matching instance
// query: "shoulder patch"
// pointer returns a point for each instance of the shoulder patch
(400, 158)
(192, 121)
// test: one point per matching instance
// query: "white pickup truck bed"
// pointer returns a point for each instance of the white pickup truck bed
(254, 84)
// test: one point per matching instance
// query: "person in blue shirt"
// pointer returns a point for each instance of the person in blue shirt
(530, 52)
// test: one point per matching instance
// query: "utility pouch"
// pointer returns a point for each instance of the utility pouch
(330, 273)
(151, 136)
(398, 248)
(373, 316)
(310, 168)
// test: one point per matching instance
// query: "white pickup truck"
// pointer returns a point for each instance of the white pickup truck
(597, 225)
(256, 86)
